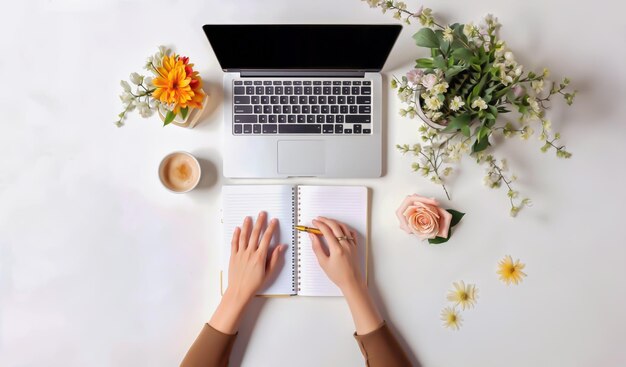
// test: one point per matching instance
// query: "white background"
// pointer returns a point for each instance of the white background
(101, 266)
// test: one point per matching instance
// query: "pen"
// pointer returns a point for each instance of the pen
(308, 229)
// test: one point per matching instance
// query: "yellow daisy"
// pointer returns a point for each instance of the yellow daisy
(451, 318)
(463, 295)
(510, 271)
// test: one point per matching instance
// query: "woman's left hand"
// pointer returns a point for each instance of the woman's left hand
(248, 270)
(249, 267)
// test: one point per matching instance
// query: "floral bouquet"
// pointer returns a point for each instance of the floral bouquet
(174, 90)
(463, 92)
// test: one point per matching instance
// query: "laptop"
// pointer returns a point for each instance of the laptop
(302, 100)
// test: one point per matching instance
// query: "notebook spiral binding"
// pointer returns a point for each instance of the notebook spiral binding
(295, 233)
(297, 222)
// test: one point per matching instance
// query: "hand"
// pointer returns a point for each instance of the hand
(249, 268)
(341, 264)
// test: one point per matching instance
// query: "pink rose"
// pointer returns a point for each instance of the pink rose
(415, 76)
(429, 81)
(423, 217)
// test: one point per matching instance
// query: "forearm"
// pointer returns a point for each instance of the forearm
(228, 314)
(364, 312)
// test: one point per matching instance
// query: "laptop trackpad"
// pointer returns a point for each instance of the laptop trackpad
(301, 157)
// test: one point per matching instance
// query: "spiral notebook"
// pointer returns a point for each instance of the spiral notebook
(291, 205)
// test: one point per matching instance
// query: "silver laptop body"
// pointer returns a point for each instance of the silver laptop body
(302, 122)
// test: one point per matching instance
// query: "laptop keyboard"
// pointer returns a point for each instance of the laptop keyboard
(328, 107)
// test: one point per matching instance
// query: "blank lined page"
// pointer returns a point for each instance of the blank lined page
(347, 204)
(248, 200)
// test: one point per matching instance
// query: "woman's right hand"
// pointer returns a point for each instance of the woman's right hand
(341, 261)
(341, 264)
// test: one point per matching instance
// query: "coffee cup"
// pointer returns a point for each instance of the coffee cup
(179, 172)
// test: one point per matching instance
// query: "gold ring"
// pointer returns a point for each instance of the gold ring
(344, 238)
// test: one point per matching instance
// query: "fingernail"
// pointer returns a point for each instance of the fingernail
(274, 220)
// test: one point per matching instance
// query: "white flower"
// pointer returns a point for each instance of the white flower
(125, 85)
(509, 59)
(126, 97)
(547, 125)
(157, 60)
(440, 88)
(537, 85)
(419, 11)
(518, 71)
(526, 132)
(479, 103)
(405, 95)
(506, 79)
(148, 64)
(499, 48)
(491, 21)
(429, 81)
(144, 109)
(469, 30)
(415, 76)
(534, 105)
(136, 78)
(147, 81)
(447, 34)
(433, 116)
(456, 103)
(425, 16)
(433, 103)
(163, 51)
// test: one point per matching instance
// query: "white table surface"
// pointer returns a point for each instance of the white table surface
(101, 266)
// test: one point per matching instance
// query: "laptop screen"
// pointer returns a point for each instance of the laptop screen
(302, 47)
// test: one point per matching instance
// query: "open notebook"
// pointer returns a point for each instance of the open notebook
(292, 205)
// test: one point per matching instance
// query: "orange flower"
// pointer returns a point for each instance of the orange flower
(195, 84)
(177, 84)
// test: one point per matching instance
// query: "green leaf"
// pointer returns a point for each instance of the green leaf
(462, 53)
(184, 112)
(465, 130)
(424, 63)
(454, 70)
(456, 217)
(480, 145)
(501, 93)
(457, 122)
(168, 118)
(443, 44)
(494, 111)
(479, 86)
(438, 240)
(425, 37)
(439, 62)
(482, 133)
